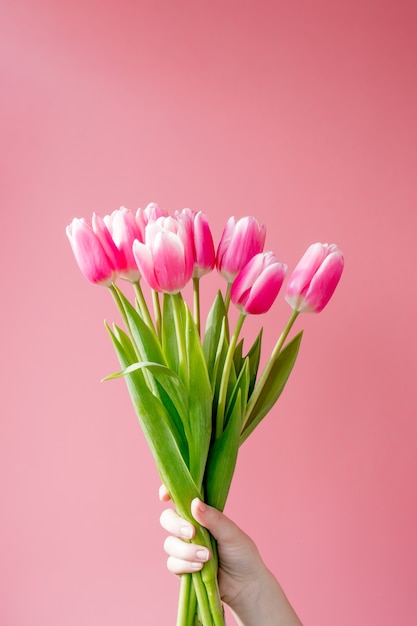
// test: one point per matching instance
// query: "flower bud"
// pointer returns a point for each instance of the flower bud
(202, 241)
(124, 230)
(165, 259)
(258, 283)
(240, 241)
(149, 214)
(315, 277)
(94, 251)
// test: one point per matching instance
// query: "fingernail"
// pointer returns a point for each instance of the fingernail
(202, 555)
(186, 532)
(196, 566)
(201, 506)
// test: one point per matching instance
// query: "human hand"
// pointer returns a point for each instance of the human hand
(245, 583)
(239, 561)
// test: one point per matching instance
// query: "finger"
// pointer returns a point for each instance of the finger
(176, 525)
(163, 494)
(178, 567)
(184, 551)
(221, 527)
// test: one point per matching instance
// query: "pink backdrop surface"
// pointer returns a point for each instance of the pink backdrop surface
(301, 113)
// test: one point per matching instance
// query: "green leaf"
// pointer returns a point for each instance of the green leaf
(157, 428)
(126, 343)
(254, 356)
(125, 352)
(274, 385)
(199, 399)
(218, 360)
(238, 357)
(240, 390)
(173, 395)
(169, 333)
(143, 338)
(222, 459)
(216, 326)
(170, 390)
(218, 371)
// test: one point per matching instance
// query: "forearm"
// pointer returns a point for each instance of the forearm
(264, 605)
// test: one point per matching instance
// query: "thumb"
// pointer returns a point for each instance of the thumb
(220, 526)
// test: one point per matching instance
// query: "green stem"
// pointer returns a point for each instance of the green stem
(265, 374)
(143, 307)
(186, 608)
(196, 298)
(120, 307)
(227, 297)
(221, 405)
(179, 330)
(203, 595)
(202, 600)
(157, 312)
(192, 605)
(123, 315)
(213, 598)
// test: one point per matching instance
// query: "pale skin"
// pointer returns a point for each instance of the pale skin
(246, 585)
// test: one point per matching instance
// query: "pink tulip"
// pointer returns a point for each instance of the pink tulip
(258, 283)
(202, 241)
(94, 250)
(240, 241)
(124, 230)
(165, 259)
(148, 214)
(314, 279)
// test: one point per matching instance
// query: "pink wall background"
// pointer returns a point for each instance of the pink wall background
(301, 113)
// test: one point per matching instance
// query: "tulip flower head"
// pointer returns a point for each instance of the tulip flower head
(124, 230)
(165, 259)
(149, 214)
(240, 241)
(258, 283)
(202, 241)
(94, 250)
(315, 277)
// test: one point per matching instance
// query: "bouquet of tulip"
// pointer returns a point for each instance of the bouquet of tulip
(196, 394)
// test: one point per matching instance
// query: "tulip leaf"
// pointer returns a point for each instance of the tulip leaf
(240, 390)
(169, 333)
(199, 399)
(163, 376)
(143, 337)
(274, 385)
(218, 360)
(218, 370)
(238, 356)
(171, 392)
(168, 388)
(254, 356)
(222, 459)
(126, 343)
(216, 326)
(157, 428)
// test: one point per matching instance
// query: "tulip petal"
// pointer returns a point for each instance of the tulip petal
(324, 282)
(240, 241)
(89, 253)
(103, 233)
(145, 263)
(125, 231)
(314, 278)
(257, 285)
(265, 289)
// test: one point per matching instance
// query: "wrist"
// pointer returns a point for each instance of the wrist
(264, 603)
